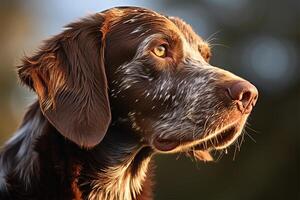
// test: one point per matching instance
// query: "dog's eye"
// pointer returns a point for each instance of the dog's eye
(160, 51)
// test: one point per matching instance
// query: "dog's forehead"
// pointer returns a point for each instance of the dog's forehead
(193, 43)
(145, 21)
(187, 31)
(137, 24)
(142, 21)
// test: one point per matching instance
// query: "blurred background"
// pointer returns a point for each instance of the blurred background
(256, 39)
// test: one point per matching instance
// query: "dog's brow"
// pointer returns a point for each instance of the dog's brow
(191, 41)
(146, 42)
(190, 52)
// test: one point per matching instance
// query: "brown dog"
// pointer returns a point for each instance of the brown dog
(114, 89)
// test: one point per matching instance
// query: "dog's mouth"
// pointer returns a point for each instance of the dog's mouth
(220, 140)
(216, 141)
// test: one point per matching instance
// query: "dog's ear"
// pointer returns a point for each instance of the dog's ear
(68, 74)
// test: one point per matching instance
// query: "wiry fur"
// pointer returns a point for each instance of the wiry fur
(106, 104)
(118, 182)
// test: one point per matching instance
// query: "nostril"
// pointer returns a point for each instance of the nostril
(245, 94)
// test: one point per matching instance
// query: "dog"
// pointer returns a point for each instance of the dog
(114, 89)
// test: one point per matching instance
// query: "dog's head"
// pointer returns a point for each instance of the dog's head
(150, 70)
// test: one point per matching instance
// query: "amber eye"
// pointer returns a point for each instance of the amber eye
(160, 51)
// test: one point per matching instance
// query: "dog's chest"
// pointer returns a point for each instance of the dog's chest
(120, 182)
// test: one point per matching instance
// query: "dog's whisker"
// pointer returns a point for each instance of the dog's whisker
(250, 137)
(248, 127)
(221, 154)
(219, 44)
(238, 144)
(211, 37)
(235, 150)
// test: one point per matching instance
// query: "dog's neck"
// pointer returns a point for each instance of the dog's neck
(124, 180)
(121, 164)
(117, 168)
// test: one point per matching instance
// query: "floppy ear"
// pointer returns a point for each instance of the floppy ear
(68, 75)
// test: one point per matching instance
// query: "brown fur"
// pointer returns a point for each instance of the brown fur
(107, 104)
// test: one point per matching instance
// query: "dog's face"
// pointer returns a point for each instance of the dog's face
(150, 70)
(166, 87)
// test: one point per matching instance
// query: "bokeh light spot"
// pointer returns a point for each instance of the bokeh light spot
(271, 61)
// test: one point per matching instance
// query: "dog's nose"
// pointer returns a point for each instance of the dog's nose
(244, 94)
